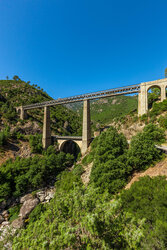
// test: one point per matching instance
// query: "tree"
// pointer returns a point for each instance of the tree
(16, 78)
(142, 152)
(166, 73)
(153, 96)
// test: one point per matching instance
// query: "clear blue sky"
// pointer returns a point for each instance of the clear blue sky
(70, 47)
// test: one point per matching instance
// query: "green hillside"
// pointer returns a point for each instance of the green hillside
(103, 111)
(101, 215)
(16, 92)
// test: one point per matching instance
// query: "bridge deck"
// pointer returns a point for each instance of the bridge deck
(95, 95)
(73, 138)
(67, 137)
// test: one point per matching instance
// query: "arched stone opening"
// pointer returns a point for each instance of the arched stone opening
(18, 111)
(70, 147)
(153, 95)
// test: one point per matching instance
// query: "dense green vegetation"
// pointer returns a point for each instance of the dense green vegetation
(4, 135)
(83, 218)
(24, 175)
(14, 93)
(142, 152)
(153, 96)
(103, 111)
(14, 212)
(92, 217)
(109, 170)
(77, 218)
(114, 162)
(156, 114)
(100, 215)
(36, 143)
(147, 199)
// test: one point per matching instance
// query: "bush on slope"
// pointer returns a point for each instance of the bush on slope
(147, 198)
(83, 218)
(86, 218)
(109, 170)
(142, 152)
(113, 162)
(78, 218)
(23, 175)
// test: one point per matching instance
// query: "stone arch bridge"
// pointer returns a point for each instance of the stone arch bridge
(63, 139)
(84, 141)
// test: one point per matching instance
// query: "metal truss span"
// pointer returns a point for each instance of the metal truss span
(90, 96)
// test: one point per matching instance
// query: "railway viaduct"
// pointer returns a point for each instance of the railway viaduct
(84, 141)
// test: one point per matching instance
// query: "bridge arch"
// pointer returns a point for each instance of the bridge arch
(70, 146)
(148, 91)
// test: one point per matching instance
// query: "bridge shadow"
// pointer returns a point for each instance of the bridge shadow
(70, 147)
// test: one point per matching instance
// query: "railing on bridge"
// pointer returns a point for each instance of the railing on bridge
(90, 96)
(58, 137)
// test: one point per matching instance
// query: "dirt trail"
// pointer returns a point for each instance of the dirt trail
(86, 175)
(159, 169)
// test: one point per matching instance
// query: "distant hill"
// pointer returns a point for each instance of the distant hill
(103, 111)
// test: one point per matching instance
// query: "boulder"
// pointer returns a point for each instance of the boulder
(18, 223)
(5, 214)
(27, 207)
(66, 125)
(5, 223)
(25, 198)
(41, 197)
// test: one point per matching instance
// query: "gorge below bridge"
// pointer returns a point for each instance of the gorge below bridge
(84, 141)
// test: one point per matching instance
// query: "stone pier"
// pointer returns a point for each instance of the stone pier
(46, 139)
(86, 130)
(22, 112)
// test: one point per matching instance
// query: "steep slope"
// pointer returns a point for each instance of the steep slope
(103, 111)
(160, 169)
(16, 92)
(131, 124)
(96, 216)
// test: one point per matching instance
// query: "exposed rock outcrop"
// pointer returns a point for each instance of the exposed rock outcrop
(27, 207)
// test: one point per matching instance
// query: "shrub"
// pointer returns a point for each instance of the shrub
(36, 213)
(4, 136)
(147, 198)
(24, 175)
(36, 143)
(154, 133)
(109, 170)
(158, 108)
(142, 152)
(144, 117)
(78, 170)
(163, 121)
(14, 212)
